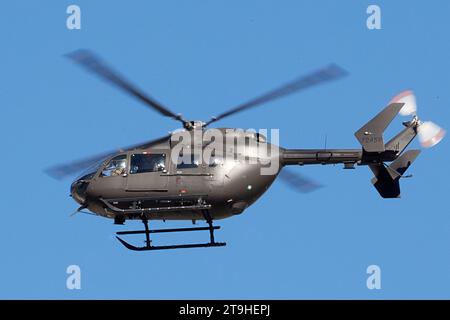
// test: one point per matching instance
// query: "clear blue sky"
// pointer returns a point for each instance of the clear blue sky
(200, 58)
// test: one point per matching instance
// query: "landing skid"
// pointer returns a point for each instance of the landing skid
(175, 246)
(149, 247)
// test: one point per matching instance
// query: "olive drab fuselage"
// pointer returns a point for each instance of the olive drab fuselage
(227, 186)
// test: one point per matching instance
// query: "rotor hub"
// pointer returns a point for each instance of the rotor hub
(194, 125)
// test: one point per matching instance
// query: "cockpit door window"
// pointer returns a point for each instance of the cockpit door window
(147, 172)
(144, 162)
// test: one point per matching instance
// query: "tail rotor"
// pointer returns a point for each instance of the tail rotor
(429, 133)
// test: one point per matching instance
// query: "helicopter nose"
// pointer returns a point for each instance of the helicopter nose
(78, 191)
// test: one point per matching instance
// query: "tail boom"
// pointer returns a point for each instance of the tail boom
(348, 157)
(320, 156)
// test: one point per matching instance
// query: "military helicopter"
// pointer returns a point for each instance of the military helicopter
(148, 181)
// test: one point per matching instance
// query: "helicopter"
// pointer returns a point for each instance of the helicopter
(169, 178)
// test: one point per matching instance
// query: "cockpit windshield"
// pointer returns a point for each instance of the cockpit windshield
(90, 172)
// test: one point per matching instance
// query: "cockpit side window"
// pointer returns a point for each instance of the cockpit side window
(116, 166)
(143, 162)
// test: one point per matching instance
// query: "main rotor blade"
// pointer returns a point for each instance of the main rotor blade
(298, 182)
(63, 170)
(331, 72)
(94, 64)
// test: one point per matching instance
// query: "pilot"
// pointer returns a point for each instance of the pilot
(119, 170)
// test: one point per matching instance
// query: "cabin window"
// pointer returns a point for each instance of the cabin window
(116, 166)
(215, 161)
(188, 162)
(144, 162)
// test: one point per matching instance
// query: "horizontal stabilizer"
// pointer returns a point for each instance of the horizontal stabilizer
(386, 179)
(371, 134)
